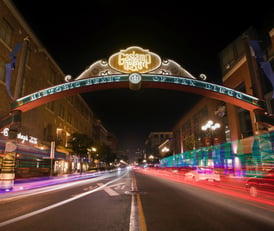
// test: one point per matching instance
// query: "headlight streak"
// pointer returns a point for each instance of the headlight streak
(266, 205)
(50, 188)
(51, 185)
(225, 191)
(19, 218)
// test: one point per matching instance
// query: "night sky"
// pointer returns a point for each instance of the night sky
(78, 33)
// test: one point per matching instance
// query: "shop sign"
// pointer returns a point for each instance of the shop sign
(20, 136)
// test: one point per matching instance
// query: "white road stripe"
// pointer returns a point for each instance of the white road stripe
(27, 215)
(133, 220)
(108, 190)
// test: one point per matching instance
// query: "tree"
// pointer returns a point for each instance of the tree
(79, 144)
(189, 142)
(106, 155)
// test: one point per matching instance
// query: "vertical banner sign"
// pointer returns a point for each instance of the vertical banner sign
(11, 66)
(265, 64)
(8, 164)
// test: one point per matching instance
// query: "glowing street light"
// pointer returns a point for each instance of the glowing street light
(165, 149)
(209, 128)
(210, 125)
(89, 152)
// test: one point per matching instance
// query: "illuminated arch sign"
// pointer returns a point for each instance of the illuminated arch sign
(148, 81)
(134, 59)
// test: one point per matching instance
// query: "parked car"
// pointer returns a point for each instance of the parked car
(261, 184)
(199, 174)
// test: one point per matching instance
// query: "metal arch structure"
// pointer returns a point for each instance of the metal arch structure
(169, 82)
(133, 67)
(148, 81)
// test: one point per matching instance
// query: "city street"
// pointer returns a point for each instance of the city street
(132, 200)
(166, 126)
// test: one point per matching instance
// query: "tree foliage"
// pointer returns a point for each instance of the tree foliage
(189, 142)
(106, 155)
(79, 144)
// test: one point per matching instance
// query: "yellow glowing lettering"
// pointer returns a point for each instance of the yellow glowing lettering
(133, 61)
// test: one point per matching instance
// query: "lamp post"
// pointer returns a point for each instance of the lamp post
(90, 155)
(209, 129)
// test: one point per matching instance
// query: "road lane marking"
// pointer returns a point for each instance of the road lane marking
(117, 185)
(133, 211)
(27, 215)
(108, 190)
(85, 189)
(89, 188)
(137, 218)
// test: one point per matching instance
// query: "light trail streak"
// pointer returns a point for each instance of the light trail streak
(33, 188)
(223, 188)
(25, 216)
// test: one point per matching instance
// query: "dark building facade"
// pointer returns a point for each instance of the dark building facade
(26, 67)
(247, 65)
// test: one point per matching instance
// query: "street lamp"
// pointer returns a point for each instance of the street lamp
(90, 156)
(165, 149)
(209, 129)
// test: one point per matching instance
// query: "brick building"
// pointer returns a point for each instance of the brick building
(26, 67)
(243, 69)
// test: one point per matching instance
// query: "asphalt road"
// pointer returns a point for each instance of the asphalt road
(170, 204)
(132, 201)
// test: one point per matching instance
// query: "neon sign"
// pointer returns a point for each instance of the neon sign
(134, 59)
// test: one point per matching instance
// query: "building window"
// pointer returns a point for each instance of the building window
(52, 77)
(239, 48)
(6, 32)
(71, 99)
(50, 106)
(69, 118)
(244, 117)
(28, 56)
(48, 133)
(62, 111)
(231, 54)
(59, 132)
(227, 58)
(245, 123)
(186, 128)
